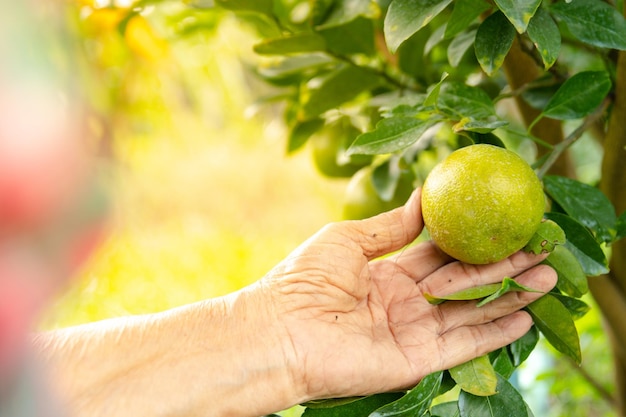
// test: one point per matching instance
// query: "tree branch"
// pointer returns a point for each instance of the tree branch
(572, 137)
(613, 184)
(521, 70)
(612, 302)
(597, 386)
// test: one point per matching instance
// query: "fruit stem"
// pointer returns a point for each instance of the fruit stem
(572, 138)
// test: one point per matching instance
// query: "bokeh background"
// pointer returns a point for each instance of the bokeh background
(203, 197)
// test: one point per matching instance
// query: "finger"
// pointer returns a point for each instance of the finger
(389, 231)
(421, 260)
(457, 276)
(468, 342)
(457, 314)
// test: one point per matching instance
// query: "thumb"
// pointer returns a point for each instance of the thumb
(389, 231)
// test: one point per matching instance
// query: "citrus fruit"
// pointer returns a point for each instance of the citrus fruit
(482, 204)
(329, 151)
(362, 200)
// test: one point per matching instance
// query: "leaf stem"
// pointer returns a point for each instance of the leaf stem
(561, 147)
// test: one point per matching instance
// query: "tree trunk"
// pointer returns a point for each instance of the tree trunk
(520, 69)
(610, 290)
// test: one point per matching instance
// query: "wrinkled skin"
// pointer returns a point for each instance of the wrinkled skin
(359, 326)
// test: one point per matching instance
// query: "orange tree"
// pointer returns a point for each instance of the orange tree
(380, 90)
(406, 81)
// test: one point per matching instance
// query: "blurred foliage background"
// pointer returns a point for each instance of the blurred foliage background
(204, 199)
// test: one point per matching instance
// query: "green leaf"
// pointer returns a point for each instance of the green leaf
(406, 17)
(519, 12)
(459, 46)
(523, 347)
(508, 285)
(579, 95)
(433, 94)
(259, 6)
(594, 22)
(582, 244)
(465, 12)
(478, 126)
(385, 178)
(507, 402)
(584, 203)
(488, 138)
(331, 402)
(391, 135)
(473, 293)
(494, 38)
(411, 56)
(572, 278)
(416, 402)
(404, 109)
(447, 409)
(555, 322)
(358, 408)
(301, 132)
(434, 39)
(299, 43)
(577, 308)
(548, 235)
(545, 34)
(355, 37)
(476, 376)
(539, 95)
(461, 100)
(292, 69)
(503, 364)
(345, 11)
(447, 384)
(320, 10)
(335, 89)
(620, 226)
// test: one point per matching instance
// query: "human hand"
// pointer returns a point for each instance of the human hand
(354, 325)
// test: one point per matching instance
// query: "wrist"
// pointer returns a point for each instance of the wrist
(265, 371)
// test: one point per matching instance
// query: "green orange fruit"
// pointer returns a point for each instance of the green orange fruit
(329, 150)
(362, 200)
(482, 204)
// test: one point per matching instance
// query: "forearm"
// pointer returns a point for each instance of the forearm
(218, 358)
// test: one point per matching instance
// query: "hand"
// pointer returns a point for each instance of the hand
(354, 325)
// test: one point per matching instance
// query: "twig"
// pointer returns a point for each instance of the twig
(559, 148)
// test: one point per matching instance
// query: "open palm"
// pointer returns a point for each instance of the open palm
(358, 325)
